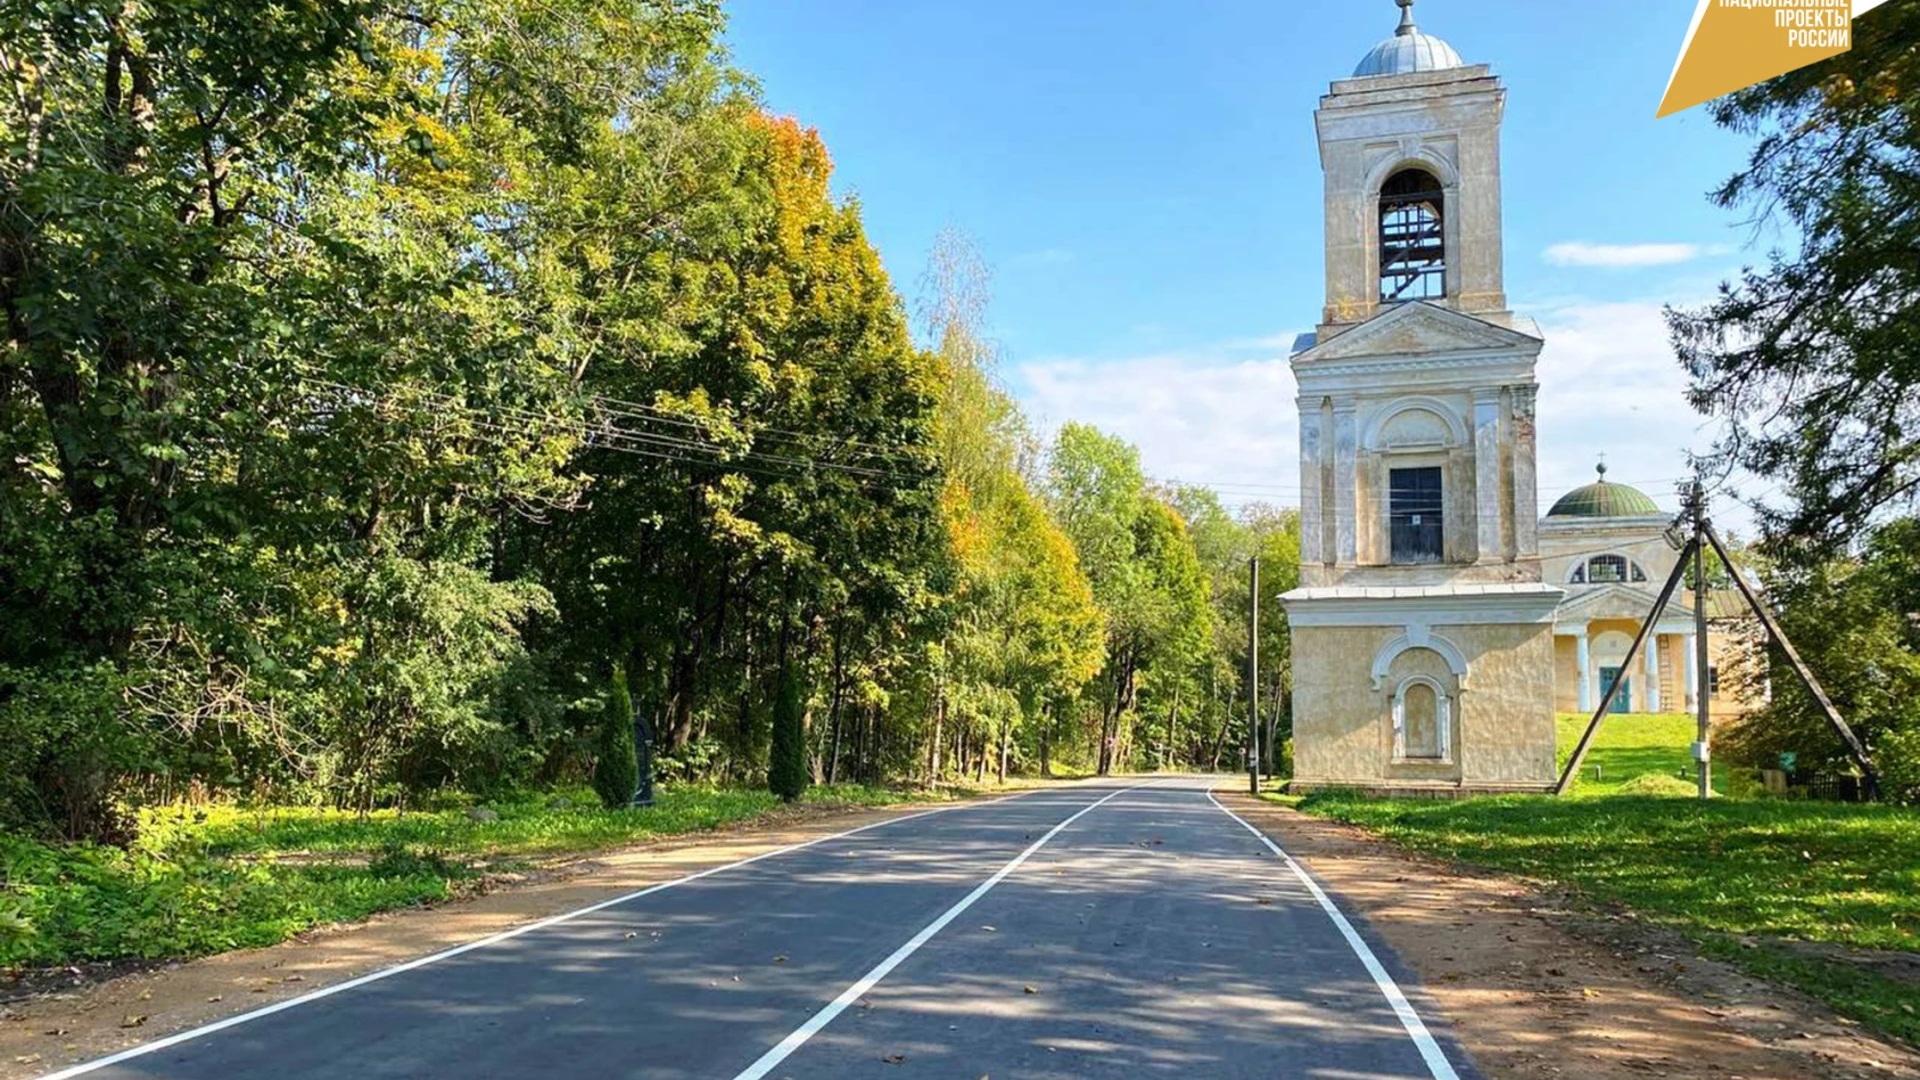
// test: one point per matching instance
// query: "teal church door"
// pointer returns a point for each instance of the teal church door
(1623, 703)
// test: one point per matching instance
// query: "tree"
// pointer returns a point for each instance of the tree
(616, 767)
(1856, 621)
(1145, 575)
(1018, 626)
(1814, 360)
(787, 773)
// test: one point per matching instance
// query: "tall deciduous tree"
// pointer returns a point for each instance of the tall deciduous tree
(1815, 359)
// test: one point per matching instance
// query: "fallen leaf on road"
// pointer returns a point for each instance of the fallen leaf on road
(1031, 990)
(216, 997)
(133, 1021)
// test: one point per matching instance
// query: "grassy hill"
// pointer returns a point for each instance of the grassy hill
(1636, 753)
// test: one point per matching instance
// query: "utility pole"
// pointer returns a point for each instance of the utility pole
(1702, 749)
(1253, 676)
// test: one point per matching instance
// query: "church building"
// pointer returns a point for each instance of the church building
(1607, 544)
(1424, 645)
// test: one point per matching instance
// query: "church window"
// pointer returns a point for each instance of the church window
(1422, 722)
(1608, 570)
(1414, 513)
(1413, 263)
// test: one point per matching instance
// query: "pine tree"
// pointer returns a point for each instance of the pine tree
(616, 770)
(787, 774)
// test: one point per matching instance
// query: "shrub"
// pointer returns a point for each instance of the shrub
(616, 769)
(787, 773)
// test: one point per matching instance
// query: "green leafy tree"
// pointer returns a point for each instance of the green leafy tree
(1021, 630)
(616, 767)
(787, 771)
(1856, 622)
(1144, 572)
(1814, 360)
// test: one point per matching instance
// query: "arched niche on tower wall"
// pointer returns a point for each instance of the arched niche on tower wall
(1414, 432)
(1421, 699)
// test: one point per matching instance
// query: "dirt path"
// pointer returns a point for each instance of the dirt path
(77, 1019)
(1538, 992)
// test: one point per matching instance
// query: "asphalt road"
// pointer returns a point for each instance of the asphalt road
(1106, 930)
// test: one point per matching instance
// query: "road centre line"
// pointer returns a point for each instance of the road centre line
(494, 939)
(853, 993)
(1430, 1051)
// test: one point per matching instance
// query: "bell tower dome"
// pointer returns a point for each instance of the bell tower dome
(1410, 149)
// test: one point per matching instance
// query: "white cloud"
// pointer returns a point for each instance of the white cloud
(1627, 256)
(1609, 384)
(1200, 416)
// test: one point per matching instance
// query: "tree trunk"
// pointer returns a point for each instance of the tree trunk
(939, 721)
(1047, 715)
(1226, 724)
(839, 672)
(1173, 723)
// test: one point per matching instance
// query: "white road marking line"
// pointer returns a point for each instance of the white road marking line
(494, 939)
(859, 989)
(1430, 1051)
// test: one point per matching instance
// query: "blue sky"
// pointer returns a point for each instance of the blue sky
(1142, 177)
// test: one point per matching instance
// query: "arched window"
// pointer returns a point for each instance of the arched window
(1413, 249)
(1608, 570)
(1422, 721)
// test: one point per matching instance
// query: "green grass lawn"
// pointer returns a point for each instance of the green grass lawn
(1745, 878)
(203, 879)
(1637, 753)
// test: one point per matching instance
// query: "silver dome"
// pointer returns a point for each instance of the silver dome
(1408, 50)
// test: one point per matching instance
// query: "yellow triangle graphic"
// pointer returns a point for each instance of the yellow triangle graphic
(1735, 45)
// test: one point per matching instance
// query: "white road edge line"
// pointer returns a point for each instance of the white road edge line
(1435, 1058)
(853, 993)
(494, 939)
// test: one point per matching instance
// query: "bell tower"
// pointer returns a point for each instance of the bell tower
(1410, 149)
(1423, 653)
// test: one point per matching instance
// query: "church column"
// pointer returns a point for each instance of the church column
(1586, 670)
(1345, 447)
(1653, 673)
(1526, 494)
(1310, 553)
(1486, 469)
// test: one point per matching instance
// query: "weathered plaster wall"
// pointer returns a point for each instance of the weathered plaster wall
(1503, 719)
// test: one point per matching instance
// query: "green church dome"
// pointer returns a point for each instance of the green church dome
(1601, 499)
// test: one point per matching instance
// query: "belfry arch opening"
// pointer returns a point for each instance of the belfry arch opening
(1413, 247)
